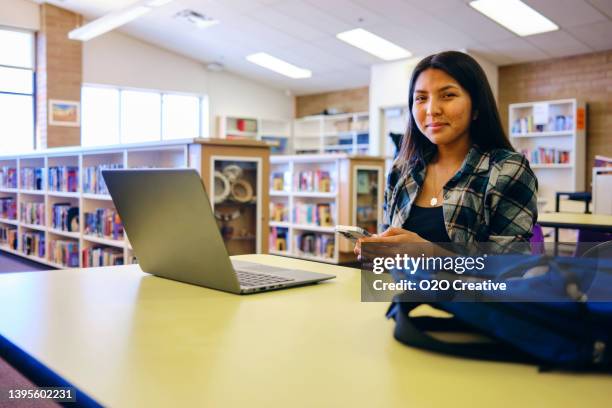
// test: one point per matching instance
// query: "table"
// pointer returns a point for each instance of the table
(593, 222)
(130, 339)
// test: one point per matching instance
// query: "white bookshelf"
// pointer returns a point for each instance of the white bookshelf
(344, 197)
(159, 154)
(346, 133)
(275, 132)
(552, 135)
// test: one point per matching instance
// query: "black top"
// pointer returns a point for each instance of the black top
(428, 222)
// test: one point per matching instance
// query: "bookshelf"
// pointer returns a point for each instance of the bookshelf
(310, 194)
(39, 220)
(275, 132)
(395, 121)
(552, 136)
(346, 133)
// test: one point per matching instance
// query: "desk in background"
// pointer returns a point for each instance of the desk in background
(130, 339)
(592, 222)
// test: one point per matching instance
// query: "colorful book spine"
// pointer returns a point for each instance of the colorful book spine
(319, 245)
(543, 155)
(8, 177)
(8, 208)
(314, 214)
(8, 236)
(314, 181)
(102, 256)
(33, 213)
(60, 216)
(64, 179)
(93, 182)
(33, 243)
(64, 252)
(279, 212)
(278, 238)
(104, 223)
(31, 178)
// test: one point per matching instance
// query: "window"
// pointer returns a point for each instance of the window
(114, 116)
(16, 91)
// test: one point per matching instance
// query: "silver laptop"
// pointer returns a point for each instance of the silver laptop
(169, 220)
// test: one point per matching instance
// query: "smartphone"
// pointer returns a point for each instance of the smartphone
(352, 233)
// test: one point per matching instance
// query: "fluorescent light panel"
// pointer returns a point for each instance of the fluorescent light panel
(278, 65)
(115, 19)
(515, 15)
(373, 44)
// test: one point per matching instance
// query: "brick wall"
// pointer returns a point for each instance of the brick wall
(350, 100)
(585, 77)
(58, 73)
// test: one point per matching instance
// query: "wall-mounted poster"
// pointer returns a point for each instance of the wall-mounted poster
(64, 113)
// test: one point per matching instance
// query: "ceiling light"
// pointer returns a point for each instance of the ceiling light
(115, 19)
(200, 20)
(278, 65)
(373, 44)
(515, 15)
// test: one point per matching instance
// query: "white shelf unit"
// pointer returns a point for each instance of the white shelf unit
(159, 154)
(343, 133)
(395, 120)
(342, 196)
(552, 136)
(275, 132)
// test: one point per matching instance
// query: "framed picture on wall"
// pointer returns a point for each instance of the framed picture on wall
(64, 113)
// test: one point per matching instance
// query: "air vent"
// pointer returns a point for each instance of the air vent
(200, 20)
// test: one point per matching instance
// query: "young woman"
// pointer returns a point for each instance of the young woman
(456, 178)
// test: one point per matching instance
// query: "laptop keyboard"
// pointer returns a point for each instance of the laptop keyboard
(249, 279)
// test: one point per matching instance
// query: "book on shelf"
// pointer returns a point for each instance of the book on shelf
(65, 217)
(8, 236)
(33, 243)
(32, 178)
(314, 181)
(603, 161)
(319, 245)
(8, 208)
(543, 155)
(8, 177)
(93, 182)
(33, 213)
(555, 123)
(279, 212)
(279, 181)
(63, 178)
(101, 256)
(278, 238)
(104, 222)
(314, 214)
(64, 252)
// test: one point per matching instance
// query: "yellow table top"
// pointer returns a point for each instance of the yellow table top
(135, 340)
(585, 220)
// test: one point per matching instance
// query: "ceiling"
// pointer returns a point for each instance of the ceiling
(302, 32)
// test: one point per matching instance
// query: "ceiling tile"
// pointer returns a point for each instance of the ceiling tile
(469, 21)
(345, 51)
(558, 44)
(438, 7)
(287, 24)
(348, 11)
(312, 16)
(567, 13)
(518, 49)
(597, 36)
(314, 58)
(604, 6)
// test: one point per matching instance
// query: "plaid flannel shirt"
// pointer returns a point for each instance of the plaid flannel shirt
(492, 198)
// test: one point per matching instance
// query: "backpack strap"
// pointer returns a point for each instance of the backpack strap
(412, 331)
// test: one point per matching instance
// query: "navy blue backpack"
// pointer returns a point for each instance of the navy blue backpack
(571, 331)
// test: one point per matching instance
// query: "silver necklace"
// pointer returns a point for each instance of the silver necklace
(434, 200)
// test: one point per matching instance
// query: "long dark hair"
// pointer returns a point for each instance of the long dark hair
(486, 130)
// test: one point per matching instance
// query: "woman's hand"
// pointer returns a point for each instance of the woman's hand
(393, 235)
